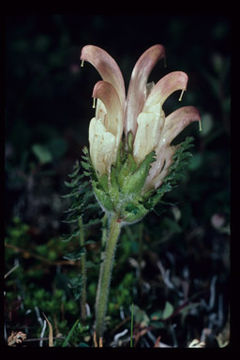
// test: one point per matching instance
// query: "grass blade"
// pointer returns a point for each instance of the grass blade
(65, 343)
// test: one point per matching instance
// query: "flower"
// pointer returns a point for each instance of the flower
(135, 122)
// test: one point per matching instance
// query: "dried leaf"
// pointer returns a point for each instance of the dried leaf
(196, 344)
(16, 338)
(50, 336)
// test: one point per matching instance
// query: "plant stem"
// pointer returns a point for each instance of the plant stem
(105, 274)
(83, 272)
(104, 230)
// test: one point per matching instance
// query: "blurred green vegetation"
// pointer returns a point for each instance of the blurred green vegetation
(174, 267)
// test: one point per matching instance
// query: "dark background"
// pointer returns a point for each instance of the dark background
(47, 112)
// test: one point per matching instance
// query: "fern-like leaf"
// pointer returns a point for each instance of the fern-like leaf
(82, 199)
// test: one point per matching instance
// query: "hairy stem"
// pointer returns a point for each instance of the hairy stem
(105, 274)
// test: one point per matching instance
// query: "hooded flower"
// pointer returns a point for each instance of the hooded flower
(136, 120)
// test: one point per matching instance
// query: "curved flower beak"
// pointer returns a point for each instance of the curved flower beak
(176, 80)
(176, 122)
(137, 86)
(107, 68)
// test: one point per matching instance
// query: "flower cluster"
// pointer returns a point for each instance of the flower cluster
(130, 137)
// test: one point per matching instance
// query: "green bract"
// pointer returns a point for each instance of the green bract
(122, 191)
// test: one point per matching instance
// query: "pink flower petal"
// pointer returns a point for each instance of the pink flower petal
(160, 167)
(168, 159)
(114, 117)
(137, 86)
(176, 80)
(176, 122)
(106, 66)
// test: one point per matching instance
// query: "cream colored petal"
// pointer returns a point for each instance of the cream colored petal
(102, 147)
(148, 134)
(101, 111)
